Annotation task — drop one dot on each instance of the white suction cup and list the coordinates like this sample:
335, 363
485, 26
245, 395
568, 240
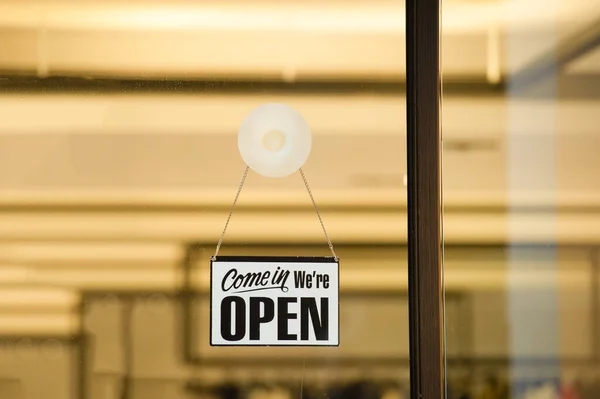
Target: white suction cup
274, 140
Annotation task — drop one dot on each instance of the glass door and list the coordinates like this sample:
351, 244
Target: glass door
521, 198
119, 164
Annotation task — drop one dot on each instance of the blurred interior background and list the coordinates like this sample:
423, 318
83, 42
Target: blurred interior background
119, 162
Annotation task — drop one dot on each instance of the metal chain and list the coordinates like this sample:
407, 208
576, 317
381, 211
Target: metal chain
318, 214
237, 195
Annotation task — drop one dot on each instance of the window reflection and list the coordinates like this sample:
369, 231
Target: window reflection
119, 161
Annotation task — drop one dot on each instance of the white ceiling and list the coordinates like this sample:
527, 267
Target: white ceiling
354, 15
291, 40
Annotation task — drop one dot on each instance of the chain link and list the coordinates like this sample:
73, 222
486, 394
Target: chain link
237, 195
318, 214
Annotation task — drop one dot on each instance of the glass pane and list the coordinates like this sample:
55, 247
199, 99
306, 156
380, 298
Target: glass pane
521, 198
119, 164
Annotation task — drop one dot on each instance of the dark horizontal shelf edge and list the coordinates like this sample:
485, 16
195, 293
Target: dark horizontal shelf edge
10, 82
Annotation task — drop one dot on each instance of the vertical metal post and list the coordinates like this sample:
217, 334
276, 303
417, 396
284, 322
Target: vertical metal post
427, 365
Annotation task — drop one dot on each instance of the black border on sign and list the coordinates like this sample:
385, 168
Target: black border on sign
278, 259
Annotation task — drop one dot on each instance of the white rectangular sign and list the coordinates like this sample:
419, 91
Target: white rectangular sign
285, 301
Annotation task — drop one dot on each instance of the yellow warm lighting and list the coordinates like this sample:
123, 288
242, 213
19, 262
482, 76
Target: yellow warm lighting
365, 17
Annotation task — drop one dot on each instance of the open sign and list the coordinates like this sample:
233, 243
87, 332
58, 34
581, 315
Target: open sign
285, 301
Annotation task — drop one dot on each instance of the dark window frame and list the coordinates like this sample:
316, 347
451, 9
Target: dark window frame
425, 274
